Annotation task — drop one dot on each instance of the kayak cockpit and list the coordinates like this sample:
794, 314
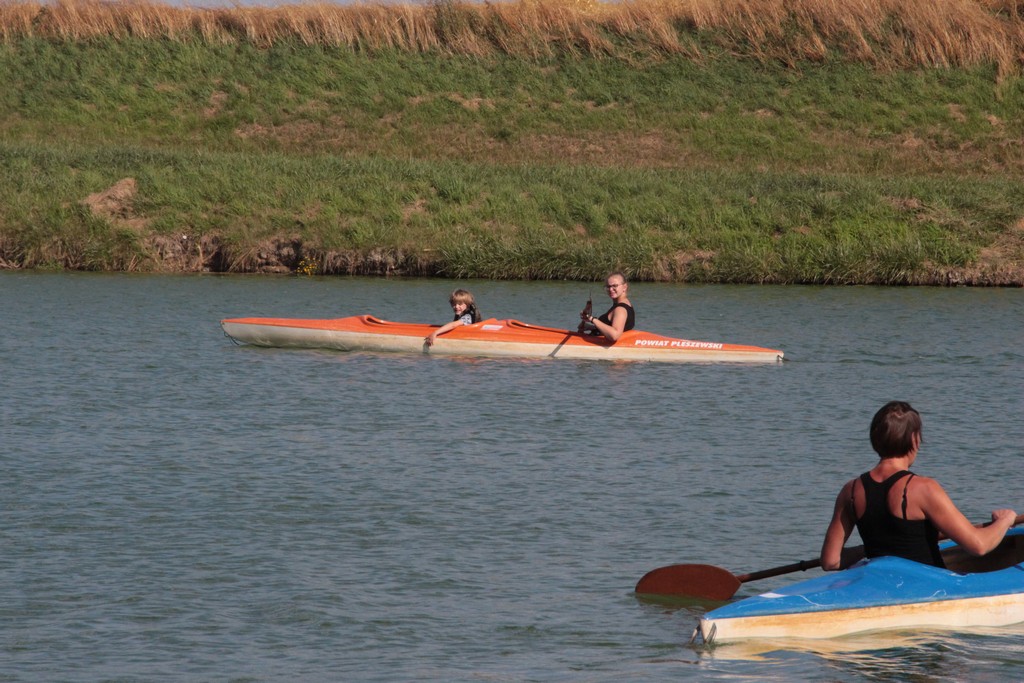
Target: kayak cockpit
1008, 553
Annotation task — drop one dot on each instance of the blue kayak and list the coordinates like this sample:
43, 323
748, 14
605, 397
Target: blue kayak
884, 593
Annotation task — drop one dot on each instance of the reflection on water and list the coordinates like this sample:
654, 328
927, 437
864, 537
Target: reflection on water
920, 655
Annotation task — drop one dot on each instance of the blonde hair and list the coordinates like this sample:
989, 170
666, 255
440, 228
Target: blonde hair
462, 296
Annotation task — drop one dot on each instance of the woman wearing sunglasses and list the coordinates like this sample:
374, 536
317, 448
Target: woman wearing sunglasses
619, 318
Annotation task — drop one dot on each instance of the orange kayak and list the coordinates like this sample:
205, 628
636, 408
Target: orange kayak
494, 338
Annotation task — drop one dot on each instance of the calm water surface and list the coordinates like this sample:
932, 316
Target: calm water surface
176, 507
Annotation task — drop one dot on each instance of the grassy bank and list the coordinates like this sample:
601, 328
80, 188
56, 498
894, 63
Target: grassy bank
703, 142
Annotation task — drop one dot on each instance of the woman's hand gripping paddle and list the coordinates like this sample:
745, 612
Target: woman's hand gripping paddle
587, 310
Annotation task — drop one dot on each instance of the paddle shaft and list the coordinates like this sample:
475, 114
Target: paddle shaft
587, 310
801, 566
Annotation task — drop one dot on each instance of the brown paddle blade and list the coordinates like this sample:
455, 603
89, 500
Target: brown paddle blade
710, 582
694, 580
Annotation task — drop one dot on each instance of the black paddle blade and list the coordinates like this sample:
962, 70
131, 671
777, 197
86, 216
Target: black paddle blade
694, 580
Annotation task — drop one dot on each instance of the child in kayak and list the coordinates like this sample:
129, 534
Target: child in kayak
466, 313
897, 512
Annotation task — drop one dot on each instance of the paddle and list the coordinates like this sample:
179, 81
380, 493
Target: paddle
708, 581
714, 583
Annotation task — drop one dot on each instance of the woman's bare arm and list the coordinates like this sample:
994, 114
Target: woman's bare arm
839, 530
937, 506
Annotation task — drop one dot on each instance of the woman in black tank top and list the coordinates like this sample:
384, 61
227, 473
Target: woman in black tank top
898, 513
619, 318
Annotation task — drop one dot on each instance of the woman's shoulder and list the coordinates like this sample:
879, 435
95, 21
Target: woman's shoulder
921, 485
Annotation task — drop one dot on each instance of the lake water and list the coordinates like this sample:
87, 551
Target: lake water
178, 507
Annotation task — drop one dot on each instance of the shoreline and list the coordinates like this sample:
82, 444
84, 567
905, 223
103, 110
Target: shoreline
286, 256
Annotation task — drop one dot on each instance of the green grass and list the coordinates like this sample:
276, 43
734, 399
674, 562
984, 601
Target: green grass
499, 167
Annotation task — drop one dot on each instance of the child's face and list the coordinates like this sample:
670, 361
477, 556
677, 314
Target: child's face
460, 307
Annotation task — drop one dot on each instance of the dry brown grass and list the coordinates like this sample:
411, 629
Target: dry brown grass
885, 33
